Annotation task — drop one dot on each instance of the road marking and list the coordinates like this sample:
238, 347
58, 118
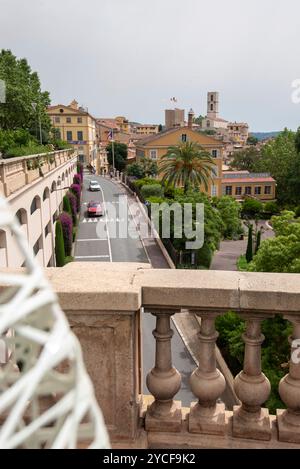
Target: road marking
92, 239
107, 231
91, 220
91, 257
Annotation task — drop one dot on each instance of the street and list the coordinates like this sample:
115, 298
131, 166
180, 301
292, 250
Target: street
95, 243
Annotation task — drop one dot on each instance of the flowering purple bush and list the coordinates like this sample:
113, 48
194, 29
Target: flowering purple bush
76, 189
73, 203
67, 229
77, 179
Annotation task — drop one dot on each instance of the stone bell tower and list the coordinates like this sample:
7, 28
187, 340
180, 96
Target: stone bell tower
212, 104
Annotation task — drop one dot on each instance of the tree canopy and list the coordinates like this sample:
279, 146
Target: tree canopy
25, 100
186, 164
120, 152
282, 253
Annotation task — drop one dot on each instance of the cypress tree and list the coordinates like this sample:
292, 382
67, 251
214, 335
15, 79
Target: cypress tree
249, 252
67, 205
59, 245
258, 240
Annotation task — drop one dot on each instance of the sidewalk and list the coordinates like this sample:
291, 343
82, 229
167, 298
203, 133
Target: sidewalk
229, 252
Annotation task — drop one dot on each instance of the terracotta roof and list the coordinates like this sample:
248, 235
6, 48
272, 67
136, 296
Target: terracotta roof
151, 138
247, 180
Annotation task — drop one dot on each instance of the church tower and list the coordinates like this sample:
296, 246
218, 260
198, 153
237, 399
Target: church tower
212, 104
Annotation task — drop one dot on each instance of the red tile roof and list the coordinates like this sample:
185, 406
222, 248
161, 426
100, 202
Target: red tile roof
247, 180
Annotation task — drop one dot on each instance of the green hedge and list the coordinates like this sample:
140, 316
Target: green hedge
152, 190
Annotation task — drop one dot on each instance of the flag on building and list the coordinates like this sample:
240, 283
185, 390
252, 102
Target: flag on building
110, 135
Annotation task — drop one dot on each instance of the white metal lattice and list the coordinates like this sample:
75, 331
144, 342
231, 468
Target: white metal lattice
46, 396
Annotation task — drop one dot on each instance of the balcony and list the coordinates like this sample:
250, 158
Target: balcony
17, 172
105, 305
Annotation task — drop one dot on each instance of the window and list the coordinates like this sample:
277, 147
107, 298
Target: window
211, 107
21, 216
257, 190
211, 97
53, 186
55, 215
38, 246
47, 229
183, 138
238, 191
79, 120
248, 190
57, 120
268, 190
213, 191
214, 153
80, 135
35, 204
214, 171
69, 135
153, 154
208, 124
228, 190
68, 120
2, 239
46, 194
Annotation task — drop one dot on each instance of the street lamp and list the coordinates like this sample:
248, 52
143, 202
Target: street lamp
35, 107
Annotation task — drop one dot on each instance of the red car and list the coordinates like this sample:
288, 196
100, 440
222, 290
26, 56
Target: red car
94, 209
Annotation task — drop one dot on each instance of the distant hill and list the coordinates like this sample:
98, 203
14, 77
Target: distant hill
263, 135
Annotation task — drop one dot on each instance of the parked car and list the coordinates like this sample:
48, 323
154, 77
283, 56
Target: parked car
94, 186
94, 209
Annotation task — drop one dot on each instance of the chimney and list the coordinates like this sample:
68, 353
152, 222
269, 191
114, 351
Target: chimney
190, 118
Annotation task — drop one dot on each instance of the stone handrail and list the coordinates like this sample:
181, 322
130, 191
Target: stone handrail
103, 303
17, 172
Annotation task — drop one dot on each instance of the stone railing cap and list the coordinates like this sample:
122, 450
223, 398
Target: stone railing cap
95, 286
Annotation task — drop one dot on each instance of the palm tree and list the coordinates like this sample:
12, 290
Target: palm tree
186, 164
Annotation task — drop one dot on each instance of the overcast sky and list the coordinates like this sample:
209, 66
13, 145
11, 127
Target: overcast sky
128, 57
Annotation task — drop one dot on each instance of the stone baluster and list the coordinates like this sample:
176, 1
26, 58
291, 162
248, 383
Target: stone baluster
163, 381
252, 387
207, 382
289, 389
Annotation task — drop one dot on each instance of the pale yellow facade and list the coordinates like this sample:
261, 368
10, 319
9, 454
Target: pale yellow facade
145, 129
77, 127
157, 146
123, 124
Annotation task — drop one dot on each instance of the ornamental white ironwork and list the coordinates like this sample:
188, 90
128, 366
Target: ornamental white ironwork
46, 396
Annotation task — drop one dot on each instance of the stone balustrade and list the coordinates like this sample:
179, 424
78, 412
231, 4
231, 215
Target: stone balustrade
105, 304
16, 172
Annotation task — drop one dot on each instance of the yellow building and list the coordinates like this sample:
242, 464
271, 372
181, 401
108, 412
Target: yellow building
78, 127
123, 124
145, 129
242, 184
154, 147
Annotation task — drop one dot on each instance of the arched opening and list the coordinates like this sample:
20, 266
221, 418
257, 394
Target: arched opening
2, 239
53, 186
35, 204
3, 258
46, 193
21, 215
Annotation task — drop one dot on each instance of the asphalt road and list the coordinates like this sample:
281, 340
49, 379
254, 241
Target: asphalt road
96, 242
